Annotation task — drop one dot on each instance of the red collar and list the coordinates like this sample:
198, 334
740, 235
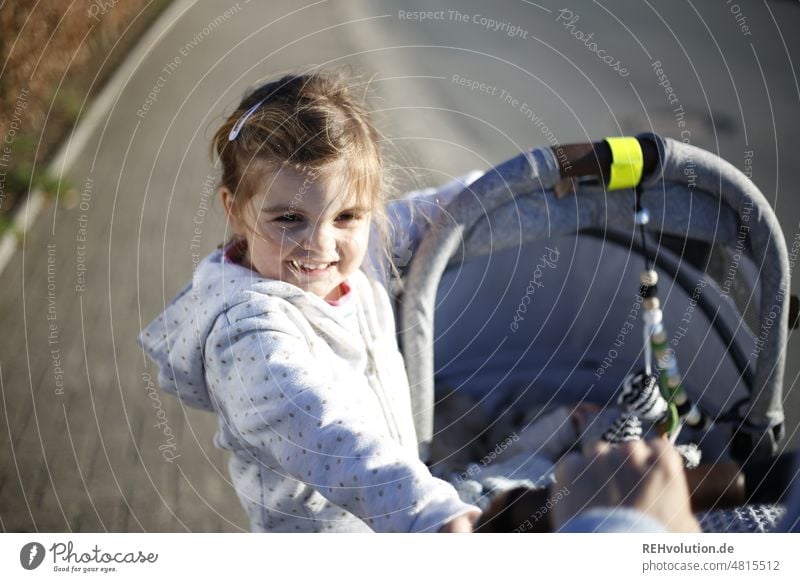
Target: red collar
344, 295
236, 251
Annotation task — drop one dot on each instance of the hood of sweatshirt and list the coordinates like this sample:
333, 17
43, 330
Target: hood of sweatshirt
176, 339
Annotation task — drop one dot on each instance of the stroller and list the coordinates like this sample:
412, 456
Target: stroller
524, 299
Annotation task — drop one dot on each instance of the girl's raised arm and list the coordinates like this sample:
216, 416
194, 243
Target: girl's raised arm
412, 214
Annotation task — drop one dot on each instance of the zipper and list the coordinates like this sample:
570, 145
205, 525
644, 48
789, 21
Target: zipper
388, 413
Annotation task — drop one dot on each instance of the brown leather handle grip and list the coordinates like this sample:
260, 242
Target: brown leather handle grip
594, 159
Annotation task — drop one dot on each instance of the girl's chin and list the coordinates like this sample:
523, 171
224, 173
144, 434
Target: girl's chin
319, 288
322, 284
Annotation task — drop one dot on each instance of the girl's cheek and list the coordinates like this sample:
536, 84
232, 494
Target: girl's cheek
277, 234
364, 240
353, 244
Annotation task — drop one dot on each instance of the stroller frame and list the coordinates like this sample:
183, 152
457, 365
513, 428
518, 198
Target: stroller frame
690, 193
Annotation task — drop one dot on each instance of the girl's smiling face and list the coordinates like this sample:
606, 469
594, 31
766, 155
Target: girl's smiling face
304, 229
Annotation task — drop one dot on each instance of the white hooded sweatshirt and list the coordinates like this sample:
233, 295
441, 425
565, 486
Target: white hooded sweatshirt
312, 399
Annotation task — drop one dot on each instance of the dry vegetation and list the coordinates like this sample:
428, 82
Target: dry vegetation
54, 56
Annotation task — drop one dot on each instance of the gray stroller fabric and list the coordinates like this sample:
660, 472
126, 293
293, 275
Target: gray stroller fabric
693, 195
568, 342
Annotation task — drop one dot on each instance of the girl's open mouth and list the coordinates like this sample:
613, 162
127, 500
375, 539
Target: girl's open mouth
312, 269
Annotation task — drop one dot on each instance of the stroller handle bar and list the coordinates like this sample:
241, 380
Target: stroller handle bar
689, 192
594, 159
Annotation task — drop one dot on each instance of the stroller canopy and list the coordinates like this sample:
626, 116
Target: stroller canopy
510, 215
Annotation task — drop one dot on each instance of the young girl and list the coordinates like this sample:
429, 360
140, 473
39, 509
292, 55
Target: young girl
287, 333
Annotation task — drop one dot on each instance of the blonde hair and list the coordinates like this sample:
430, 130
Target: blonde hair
306, 122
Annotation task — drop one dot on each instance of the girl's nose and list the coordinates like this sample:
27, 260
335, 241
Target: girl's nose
320, 240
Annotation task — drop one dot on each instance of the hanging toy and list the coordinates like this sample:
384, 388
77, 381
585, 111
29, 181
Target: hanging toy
657, 347
626, 428
641, 396
691, 455
658, 397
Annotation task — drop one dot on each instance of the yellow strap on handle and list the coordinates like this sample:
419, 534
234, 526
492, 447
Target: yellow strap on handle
627, 162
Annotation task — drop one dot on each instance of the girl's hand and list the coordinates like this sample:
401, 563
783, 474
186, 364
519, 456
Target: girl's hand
462, 523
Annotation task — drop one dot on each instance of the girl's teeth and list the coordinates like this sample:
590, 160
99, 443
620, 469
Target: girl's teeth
310, 266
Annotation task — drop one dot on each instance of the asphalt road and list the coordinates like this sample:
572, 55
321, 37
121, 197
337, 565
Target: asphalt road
83, 449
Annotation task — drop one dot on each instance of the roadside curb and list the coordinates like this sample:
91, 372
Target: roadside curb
73, 145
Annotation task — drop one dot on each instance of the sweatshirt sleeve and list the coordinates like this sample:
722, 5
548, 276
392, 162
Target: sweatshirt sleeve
325, 432
411, 214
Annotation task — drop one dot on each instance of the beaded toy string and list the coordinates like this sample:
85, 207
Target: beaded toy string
656, 396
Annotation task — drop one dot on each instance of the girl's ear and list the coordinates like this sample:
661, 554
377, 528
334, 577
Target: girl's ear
234, 223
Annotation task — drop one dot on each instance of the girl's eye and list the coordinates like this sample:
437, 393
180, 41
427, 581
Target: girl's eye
288, 218
348, 216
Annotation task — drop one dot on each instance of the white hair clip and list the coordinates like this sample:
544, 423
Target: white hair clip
242, 120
